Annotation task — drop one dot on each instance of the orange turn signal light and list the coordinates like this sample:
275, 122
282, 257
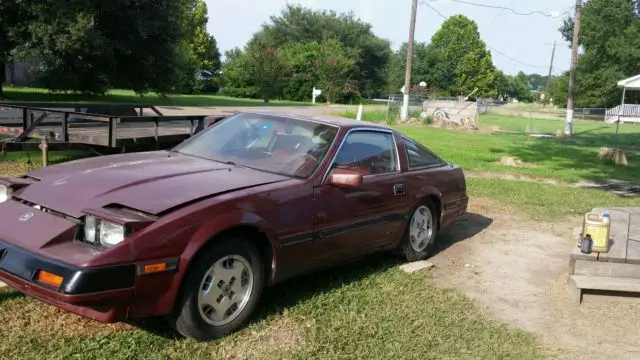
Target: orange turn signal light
152, 268
50, 279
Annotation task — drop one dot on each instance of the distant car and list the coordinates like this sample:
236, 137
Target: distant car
196, 232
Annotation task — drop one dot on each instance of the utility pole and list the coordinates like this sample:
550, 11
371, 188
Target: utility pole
404, 114
568, 129
546, 90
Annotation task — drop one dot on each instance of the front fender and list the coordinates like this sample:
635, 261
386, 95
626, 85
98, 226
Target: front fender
222, 223
164, 300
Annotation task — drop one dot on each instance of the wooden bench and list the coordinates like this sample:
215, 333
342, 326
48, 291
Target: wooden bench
615, 271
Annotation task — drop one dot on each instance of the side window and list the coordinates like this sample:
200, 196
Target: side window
420, 156
368, 152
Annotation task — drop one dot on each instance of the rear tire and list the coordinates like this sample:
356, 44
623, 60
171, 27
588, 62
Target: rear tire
220, 291
420, 235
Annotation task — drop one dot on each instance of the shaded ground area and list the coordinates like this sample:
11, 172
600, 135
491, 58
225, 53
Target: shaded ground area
516, 270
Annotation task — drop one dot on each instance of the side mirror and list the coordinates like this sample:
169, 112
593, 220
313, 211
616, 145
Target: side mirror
344, 178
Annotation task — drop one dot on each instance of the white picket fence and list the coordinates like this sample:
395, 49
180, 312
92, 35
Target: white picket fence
630, 114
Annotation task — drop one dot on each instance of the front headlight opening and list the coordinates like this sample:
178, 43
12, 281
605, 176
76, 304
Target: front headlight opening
5, 193
102, 232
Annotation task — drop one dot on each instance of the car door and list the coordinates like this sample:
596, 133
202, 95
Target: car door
352, 221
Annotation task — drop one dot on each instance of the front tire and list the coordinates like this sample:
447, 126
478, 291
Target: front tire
420, 234
220, 291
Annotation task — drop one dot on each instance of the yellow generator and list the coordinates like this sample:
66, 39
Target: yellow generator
596, 230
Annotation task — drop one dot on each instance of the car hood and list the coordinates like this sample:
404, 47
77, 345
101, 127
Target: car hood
153, 182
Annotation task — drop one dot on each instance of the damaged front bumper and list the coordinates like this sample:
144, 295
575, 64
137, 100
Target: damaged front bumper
101, 294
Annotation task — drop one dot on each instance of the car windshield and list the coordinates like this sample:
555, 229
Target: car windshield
264, 142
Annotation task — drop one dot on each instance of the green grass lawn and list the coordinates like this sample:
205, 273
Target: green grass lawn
544, 201
353, 312
569, 160
16, 163
126, 96
580, 127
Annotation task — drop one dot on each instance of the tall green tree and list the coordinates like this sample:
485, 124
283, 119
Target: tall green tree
200, 48
91, 45
324, 65
333, 68
300, 24
266, 68
466, 56
235, 80
610, 37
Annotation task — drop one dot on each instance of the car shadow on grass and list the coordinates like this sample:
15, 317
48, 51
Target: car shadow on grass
275, 300
7, 294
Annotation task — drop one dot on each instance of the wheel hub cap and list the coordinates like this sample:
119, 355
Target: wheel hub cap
421, 229
225, 290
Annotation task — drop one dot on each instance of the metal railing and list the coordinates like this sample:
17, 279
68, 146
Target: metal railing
63, 118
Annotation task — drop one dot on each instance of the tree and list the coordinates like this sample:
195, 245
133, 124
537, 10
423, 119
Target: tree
12, 17
466, 56
201, 51
324, 65
266, 69
299, 24
333, 68
236, 81
90, 45
611, 53
503, 85
428, 65
521, 89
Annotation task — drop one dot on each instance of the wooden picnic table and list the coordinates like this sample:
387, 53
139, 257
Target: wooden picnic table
617, 270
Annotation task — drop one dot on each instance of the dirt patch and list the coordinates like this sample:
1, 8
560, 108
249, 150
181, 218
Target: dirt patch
516, 177
516, 270
512, 161
281, 337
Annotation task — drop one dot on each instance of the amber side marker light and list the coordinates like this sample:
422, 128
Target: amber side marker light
157, 266
49, 279
152, 268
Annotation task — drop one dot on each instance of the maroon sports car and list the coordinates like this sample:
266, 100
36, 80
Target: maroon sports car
196, 232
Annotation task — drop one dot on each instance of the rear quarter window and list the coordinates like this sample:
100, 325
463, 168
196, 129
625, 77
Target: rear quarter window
419, 156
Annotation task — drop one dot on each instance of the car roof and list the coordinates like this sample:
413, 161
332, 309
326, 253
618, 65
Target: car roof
305, 115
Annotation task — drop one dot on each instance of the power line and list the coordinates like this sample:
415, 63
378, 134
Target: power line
529, 13
490, 47
514, 59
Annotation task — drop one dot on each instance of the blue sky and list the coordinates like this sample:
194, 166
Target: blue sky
525, 40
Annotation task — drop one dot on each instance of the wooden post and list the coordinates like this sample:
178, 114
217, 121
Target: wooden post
568, 130
113, 132
25, 122
404, 113
44, 146
65, 127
